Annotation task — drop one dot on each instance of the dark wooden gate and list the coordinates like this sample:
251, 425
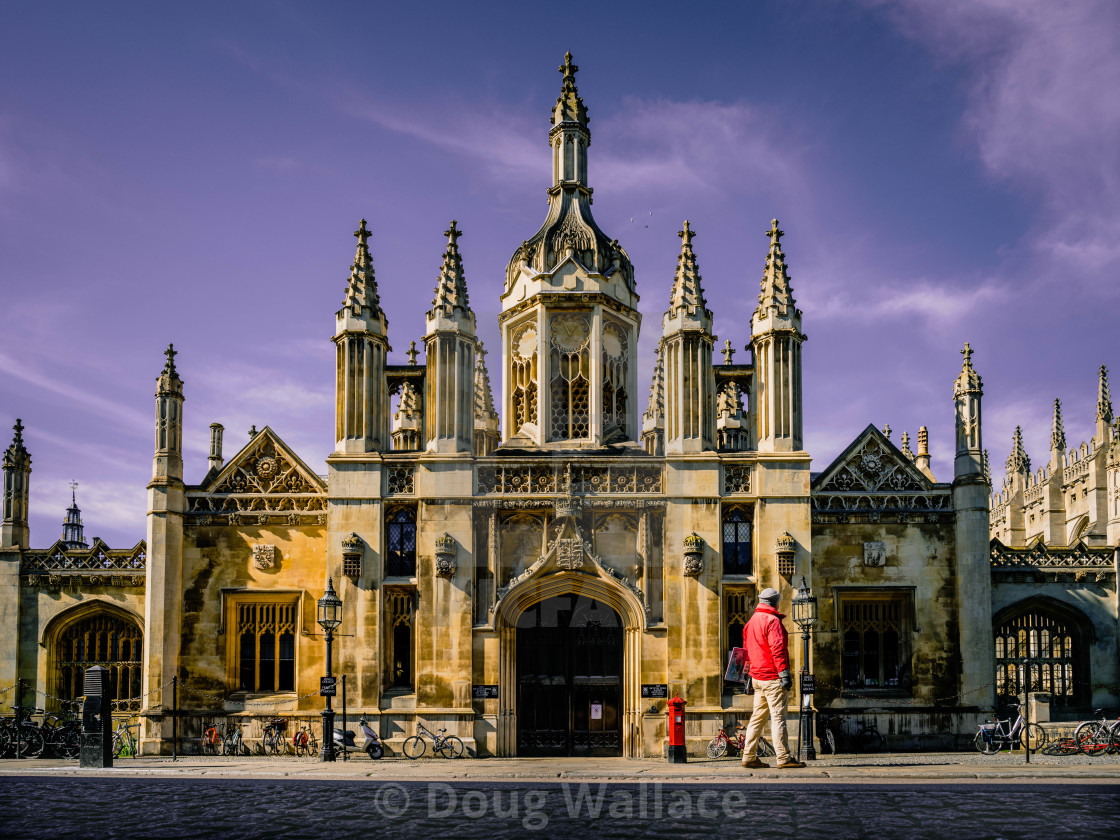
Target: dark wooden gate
569, 667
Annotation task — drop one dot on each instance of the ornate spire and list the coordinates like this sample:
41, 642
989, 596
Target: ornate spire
776, 290
969, 379
687, 294
17, 451
1104, 398
656, 409
906, 446
483, 396
361, 289
169, 366
1057, 429
569, 107
72, 530
987, 467
451, 286
1017, 461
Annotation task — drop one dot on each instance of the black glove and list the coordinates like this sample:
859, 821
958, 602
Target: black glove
786, 679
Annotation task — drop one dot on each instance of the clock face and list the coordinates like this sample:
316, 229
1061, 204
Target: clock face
612, 344
525, 345
569, 332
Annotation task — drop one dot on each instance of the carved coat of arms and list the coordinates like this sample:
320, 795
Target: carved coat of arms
264, 556
569, 553
874, 553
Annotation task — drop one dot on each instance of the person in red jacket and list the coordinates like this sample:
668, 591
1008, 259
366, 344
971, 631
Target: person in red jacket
766, 642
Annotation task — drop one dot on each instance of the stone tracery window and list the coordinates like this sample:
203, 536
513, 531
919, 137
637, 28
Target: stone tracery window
570, 388
615, 369
875, 633
1040, 650
738, 555
266, 645
523, 376
400, 542
103, 639
738, 604
400, 610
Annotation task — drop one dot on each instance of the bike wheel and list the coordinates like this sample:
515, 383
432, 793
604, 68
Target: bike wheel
414, 747
1114, 738
828, 743
451, 747
33, 744
765, 748
717, 748
988, 746
1092, 737
375, 751
1033, 737
69, 745
869, 741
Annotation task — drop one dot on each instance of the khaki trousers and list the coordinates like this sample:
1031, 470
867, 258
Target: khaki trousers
769, 699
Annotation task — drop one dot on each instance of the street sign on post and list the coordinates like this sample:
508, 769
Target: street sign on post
328, 686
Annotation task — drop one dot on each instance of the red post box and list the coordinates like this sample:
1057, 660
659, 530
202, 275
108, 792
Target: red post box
675, 709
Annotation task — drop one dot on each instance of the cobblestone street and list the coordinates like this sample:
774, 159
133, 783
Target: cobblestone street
883, 796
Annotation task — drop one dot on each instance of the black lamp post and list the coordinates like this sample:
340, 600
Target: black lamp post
330, 616
805, 616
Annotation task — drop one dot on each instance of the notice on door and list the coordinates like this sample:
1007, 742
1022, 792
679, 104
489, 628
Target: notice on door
596, 711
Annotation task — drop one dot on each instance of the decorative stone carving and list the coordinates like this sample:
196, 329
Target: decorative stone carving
693, 555
528, 478
445, 556
265, 557
784, 550
401, 479
567, 507
569, 553
352, 549
737, 478
875, 553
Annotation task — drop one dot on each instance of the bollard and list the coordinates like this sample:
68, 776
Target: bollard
97, 720
678, 753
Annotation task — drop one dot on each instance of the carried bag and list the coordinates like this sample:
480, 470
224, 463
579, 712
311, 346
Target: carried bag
738, 669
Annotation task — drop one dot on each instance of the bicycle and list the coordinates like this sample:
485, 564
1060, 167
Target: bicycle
24, 736
63, 733
1097, 737
304, 742
273, 741
211, 739
994, 736
447, 746
719, 746
124, 742
231, 742
835, 738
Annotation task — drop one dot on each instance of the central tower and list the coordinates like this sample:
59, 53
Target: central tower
569, 318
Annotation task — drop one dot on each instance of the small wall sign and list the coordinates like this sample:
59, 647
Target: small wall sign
655, 690
596, 711
484, 692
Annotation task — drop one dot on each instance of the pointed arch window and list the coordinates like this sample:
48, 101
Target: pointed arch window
400, 541
1040, 647
570, 388
104, 639
616, 356
523, 376
738, 555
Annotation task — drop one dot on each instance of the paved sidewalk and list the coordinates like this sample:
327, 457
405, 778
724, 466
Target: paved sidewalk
877, 769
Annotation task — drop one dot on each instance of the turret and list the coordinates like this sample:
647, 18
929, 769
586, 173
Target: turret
73, 535
487, 435
450, 344
215, 461
1104, 409
776, 338
1057, 439
408, 422
15, 533
967, 393
922, 459
168, 460
686, 347
361, 339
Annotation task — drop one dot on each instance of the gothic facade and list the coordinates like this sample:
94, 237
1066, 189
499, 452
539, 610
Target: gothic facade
540, 571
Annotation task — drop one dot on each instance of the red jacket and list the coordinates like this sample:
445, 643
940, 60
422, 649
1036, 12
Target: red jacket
765, 640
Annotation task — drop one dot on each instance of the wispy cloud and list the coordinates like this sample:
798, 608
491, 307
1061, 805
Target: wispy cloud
1043, 114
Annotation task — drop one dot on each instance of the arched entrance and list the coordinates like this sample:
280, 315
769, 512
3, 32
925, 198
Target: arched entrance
569, 678
95, 634
1042, 645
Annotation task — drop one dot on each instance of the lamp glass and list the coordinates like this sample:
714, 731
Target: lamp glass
330, 608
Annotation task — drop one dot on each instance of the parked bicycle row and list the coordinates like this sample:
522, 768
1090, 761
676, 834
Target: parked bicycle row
54, 735
837, 735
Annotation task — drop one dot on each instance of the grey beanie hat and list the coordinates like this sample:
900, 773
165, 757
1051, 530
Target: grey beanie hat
768, 594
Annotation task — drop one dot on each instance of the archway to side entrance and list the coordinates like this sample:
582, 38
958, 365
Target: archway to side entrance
95, 633
569, 678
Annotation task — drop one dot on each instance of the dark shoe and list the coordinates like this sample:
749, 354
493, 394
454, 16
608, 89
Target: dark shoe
791, 765
755, 764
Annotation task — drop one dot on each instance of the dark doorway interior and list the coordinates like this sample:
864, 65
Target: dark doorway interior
569, 667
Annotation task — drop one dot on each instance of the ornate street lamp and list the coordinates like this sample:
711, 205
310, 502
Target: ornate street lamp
330, 616
805, 616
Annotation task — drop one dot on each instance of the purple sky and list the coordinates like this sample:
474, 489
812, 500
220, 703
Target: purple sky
945, 171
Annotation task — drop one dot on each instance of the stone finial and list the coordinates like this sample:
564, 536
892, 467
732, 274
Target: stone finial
1057, 429
451, 286
1104, 398
569, 107
656, 409
728, 352
923, 441
1017, 461
411, 352
887, 431
687, 296
483, 395
169, 366
361, 289
17, 451
253, 431
777, 293
987, 467
906, 446
969, 380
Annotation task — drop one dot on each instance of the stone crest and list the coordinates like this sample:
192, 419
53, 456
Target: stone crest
264, 557
445, 556
875, 553
693, 555
569, 553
